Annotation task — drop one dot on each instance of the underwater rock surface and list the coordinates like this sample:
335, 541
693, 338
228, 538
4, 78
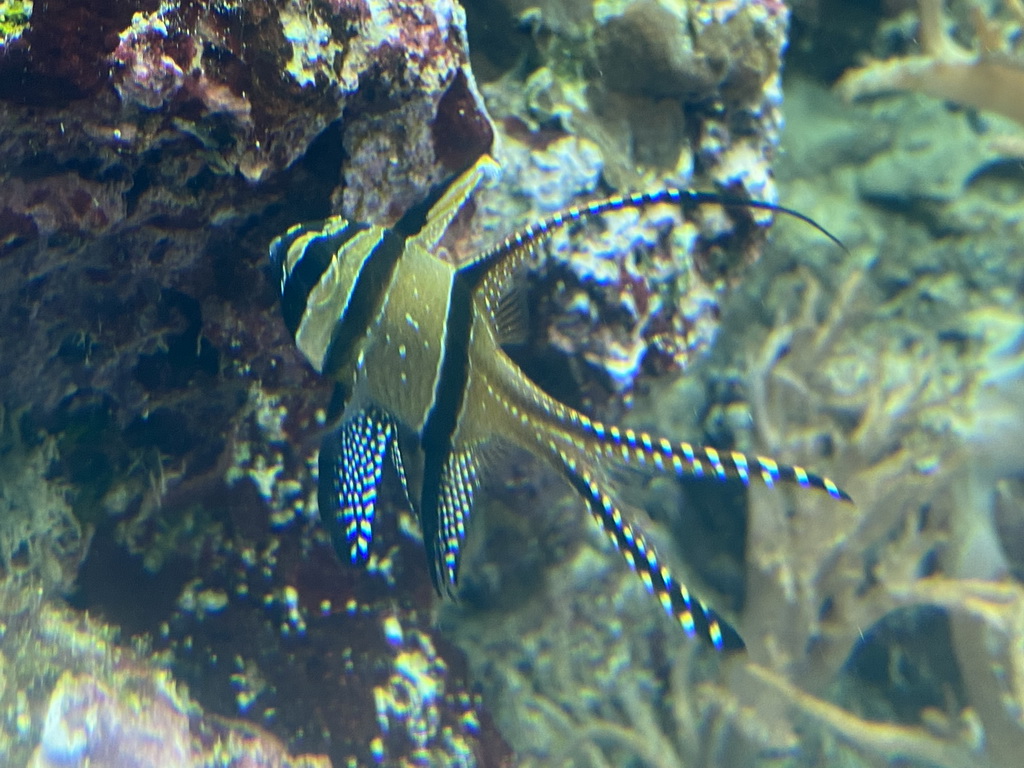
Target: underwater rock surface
72, 696
151, 150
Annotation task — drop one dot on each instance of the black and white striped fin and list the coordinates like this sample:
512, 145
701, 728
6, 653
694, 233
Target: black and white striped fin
659, 454
586, 450
688, 460
351, 468
492, 271
696, 618
458, 486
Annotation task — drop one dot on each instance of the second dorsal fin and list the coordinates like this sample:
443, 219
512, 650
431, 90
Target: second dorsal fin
511, 316
493, 269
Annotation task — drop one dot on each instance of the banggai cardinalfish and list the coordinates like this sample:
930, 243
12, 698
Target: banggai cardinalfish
415, 346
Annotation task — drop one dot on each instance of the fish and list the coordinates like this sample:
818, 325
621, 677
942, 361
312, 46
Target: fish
414, 345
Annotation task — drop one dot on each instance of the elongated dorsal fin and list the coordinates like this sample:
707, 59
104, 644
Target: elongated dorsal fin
492, 271
453, 197
511, 315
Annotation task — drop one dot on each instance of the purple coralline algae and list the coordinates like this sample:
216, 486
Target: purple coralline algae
203, 61
88, 722
140, 720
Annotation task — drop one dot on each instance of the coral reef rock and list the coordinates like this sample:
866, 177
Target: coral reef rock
634, 95
72, 696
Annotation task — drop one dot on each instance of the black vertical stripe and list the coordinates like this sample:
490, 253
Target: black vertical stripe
306, 273
367, 294
328, 493
439, 428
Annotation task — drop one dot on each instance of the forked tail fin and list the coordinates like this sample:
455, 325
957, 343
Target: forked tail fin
582, 445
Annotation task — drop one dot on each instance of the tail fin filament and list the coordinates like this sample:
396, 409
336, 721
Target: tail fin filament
683, 459
696, 618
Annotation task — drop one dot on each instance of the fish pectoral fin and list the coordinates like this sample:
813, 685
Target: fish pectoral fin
351, 469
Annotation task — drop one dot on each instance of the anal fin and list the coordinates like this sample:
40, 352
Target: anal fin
459, 483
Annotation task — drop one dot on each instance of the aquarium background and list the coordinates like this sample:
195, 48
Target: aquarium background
167, 593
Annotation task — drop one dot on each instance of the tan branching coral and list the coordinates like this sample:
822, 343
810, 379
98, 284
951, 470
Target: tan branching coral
979, 735
906, 429
990, 78
959, 749
804, 554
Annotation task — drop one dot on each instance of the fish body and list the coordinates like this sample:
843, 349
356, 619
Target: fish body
415, 345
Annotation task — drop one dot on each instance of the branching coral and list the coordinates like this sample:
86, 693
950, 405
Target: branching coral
905, 431
891, 741
990, 78
968, 739
811, 556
